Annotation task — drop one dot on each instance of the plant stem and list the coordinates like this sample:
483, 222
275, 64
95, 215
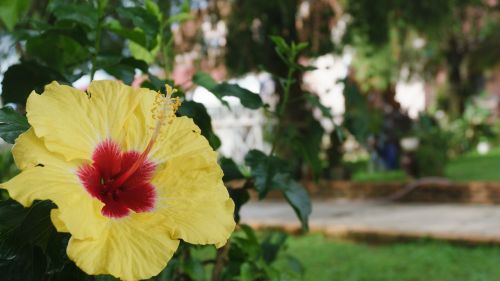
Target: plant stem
282, 109
166, 50
286, 94
97, 43
220, 261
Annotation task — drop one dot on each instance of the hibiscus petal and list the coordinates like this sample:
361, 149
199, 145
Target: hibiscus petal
131, 248
57, 222
79, 212
181, 138
194, 199
72, 122
61, 117
30, 151
112, 103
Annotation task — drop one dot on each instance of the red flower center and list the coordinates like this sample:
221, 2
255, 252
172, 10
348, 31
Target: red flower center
120, 180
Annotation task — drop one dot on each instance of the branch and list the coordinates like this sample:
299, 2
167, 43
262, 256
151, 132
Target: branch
220, 261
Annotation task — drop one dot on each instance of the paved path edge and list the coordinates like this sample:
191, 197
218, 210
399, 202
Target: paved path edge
376, 235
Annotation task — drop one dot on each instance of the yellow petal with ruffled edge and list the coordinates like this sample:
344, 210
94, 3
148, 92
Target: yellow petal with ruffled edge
131, 248
192, 195
30, 151
61, 117
73, 122
57, 222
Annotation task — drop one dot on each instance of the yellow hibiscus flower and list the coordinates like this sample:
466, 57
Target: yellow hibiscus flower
128, 177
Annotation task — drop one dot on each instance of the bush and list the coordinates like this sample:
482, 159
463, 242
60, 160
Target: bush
432, 154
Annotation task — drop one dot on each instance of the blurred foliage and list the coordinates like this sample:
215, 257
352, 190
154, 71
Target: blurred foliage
375, 23
249, 26
432, 153
402, 39
12, 11
221, 90
473, 126
361, 119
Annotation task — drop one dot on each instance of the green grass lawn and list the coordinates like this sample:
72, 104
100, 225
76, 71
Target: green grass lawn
475, 167
468, 167
385, 176
331, 260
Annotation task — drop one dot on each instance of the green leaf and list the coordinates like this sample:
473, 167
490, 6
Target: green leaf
194, 268
199, 114
12, 124
22, 247
231, 170
153, 9
314, 101
304, 68
297, 197
280, 43
58, 51
56, 252
107, 60
122, 72
247, 98
263, 169
156, 84
73, 273
21, 79
11, 215
168, 272
247, 272
141, 53
82, 13
135, 35
135, 63
271, 245
245, 246
271, 173
34, 228
125, 69
249, 233
179, 18
28, 265
309, 145
300, 46
205, 80
239, 196
295, 265
144, 20
283, 51
340, 133
12, 10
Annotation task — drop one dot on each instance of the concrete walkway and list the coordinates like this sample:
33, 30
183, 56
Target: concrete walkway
459, 222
